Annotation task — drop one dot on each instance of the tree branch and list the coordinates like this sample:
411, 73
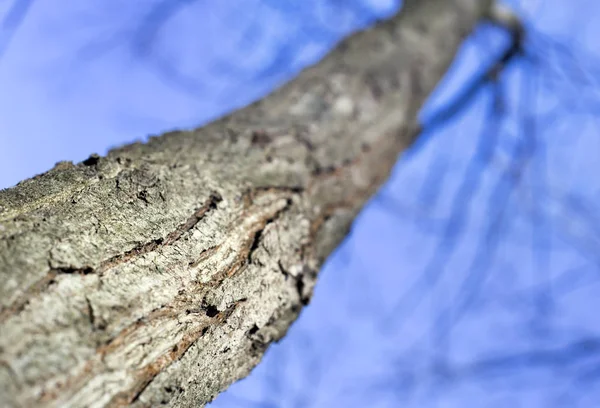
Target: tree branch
160, 273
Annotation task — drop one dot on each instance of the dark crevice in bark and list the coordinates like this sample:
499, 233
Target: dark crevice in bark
298, 282
90, 311
256, 239
92, 160
148, 373
72, 270
205, 254
261, 138
151, 371
283, 271
300, 289
255, 243
20, 303
252, 330
150, 246
267, 189
210, 310
211, 204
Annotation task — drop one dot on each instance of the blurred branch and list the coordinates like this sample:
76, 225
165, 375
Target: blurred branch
544, 61
501, 16
12, 21
464, 197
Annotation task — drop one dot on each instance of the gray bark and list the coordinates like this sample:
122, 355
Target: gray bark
160, 273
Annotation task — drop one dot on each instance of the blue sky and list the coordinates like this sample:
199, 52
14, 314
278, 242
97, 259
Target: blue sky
467, 281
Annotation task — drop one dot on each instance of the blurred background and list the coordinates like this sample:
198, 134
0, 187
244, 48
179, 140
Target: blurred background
469, 280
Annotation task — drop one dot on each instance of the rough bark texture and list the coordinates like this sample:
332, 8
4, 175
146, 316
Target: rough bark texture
160, 273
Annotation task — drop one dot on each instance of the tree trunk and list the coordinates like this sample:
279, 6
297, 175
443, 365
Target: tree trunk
160, 273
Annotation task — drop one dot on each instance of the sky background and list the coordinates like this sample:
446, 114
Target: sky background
470, 279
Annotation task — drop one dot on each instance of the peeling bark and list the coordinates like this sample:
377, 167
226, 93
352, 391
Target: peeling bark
159, 274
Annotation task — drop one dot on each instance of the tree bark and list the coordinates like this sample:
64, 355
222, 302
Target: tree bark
160, 273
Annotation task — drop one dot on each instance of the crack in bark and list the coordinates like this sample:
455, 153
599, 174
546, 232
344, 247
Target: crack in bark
22, 301
149, 372
255, 243
42, 285
256, 239
299, 284
90, 311
178, 306
72, 270
211, 204
146, 374
248, 199
204, 255
171, 238
244, 254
